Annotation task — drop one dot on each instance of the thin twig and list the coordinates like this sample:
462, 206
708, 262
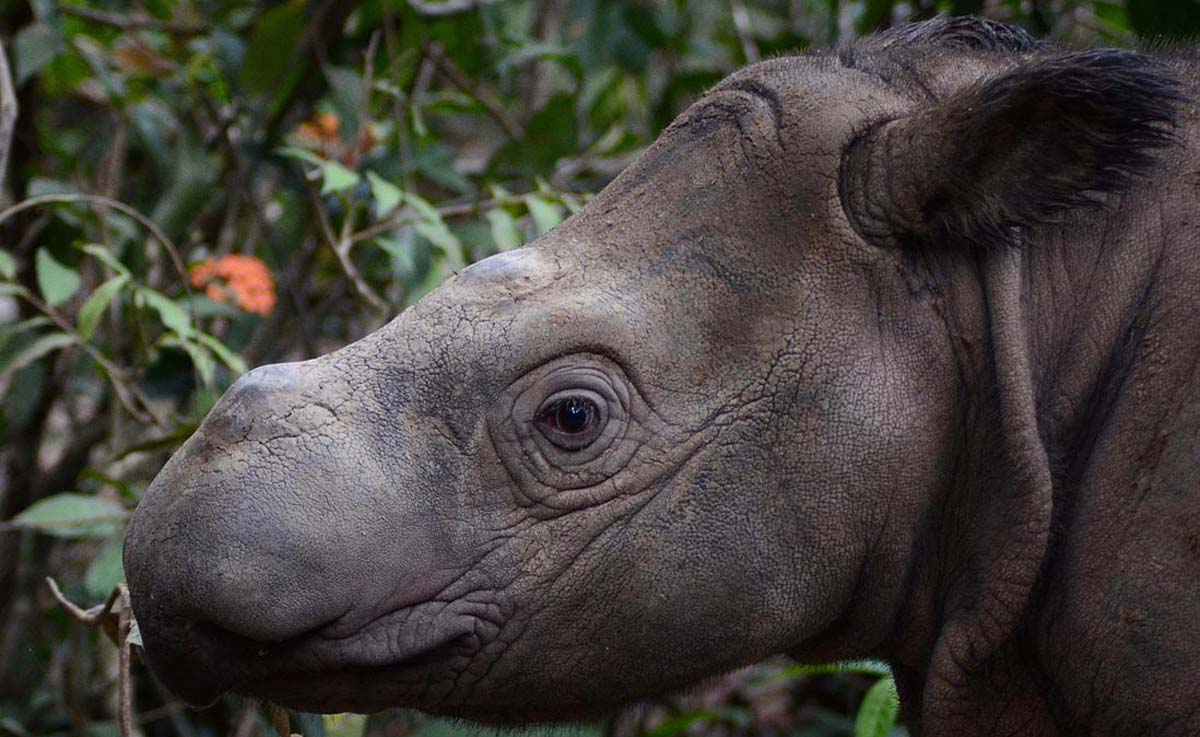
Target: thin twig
368, 75
450, 71
243, 725
8, 116
280, 720
741, 21
124, 678
147, 223
91, 617
116, 375
341, 248
450, 7
456, 210
117, 605
133, 21
400, 100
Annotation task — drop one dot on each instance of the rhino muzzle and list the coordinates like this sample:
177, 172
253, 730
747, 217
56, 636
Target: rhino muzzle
246, 576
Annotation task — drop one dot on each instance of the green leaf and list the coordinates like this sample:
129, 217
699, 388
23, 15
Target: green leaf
105, 570
440, 236
13, 330
337, 178
202, 360
42, 346
102, 254
272, 45
93, 308
551, 134
135, 634
1167, 18
399, 245
343, 725
683, 723
423, 208
35, 46
505, 232
188, 188
349, 99
172, 315
202, 307
879, 710
867, 667
13, 290
236, 363
206, 368
874, 14
387, 196
545, 214
300, 154
73, 515
8, 266
56, 281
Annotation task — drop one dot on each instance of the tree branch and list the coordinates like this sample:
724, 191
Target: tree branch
8, 116
341, 246
741, 21
450, 71
450, 7
133, 21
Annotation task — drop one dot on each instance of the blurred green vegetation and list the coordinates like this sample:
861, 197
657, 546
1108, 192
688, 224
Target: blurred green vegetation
201, 186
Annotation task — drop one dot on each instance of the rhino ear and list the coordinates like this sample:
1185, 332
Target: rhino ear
1016, 150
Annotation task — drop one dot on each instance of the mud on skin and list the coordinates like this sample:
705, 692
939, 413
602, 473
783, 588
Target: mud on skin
887, 350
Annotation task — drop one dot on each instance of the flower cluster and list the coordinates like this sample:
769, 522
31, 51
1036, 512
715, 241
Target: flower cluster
245, 279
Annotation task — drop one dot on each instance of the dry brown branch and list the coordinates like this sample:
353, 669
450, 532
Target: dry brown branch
280, 720
133, 21
90, 617
115, 618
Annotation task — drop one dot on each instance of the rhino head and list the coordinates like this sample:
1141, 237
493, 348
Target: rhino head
764, 394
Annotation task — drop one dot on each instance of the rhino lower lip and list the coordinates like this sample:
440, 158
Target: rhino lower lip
317, 690
305, 662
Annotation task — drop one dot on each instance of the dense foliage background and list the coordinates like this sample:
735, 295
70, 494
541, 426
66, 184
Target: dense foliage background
201, 186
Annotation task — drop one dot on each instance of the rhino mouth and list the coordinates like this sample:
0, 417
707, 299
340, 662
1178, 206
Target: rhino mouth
318, 670
359, 688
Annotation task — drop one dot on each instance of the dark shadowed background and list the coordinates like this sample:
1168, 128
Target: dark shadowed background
194, 188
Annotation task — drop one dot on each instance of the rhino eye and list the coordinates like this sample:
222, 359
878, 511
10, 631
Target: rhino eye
571, 421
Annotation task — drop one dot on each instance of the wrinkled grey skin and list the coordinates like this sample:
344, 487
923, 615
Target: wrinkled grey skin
896, 350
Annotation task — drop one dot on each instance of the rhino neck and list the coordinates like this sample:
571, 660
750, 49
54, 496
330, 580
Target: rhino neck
1051, 338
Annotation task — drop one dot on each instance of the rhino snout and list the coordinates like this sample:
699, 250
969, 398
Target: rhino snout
235, 551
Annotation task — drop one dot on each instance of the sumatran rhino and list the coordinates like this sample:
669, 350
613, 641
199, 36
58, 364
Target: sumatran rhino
889, 351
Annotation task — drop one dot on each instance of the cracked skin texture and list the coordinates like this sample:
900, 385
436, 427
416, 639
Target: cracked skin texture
892, 352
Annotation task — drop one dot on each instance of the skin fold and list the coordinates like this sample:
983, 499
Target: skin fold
887, 351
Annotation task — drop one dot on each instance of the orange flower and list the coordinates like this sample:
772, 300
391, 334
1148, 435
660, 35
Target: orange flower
321, 132
323, 135
246, 278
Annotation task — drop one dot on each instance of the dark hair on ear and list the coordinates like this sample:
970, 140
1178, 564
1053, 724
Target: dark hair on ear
1014, 151
962, 32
